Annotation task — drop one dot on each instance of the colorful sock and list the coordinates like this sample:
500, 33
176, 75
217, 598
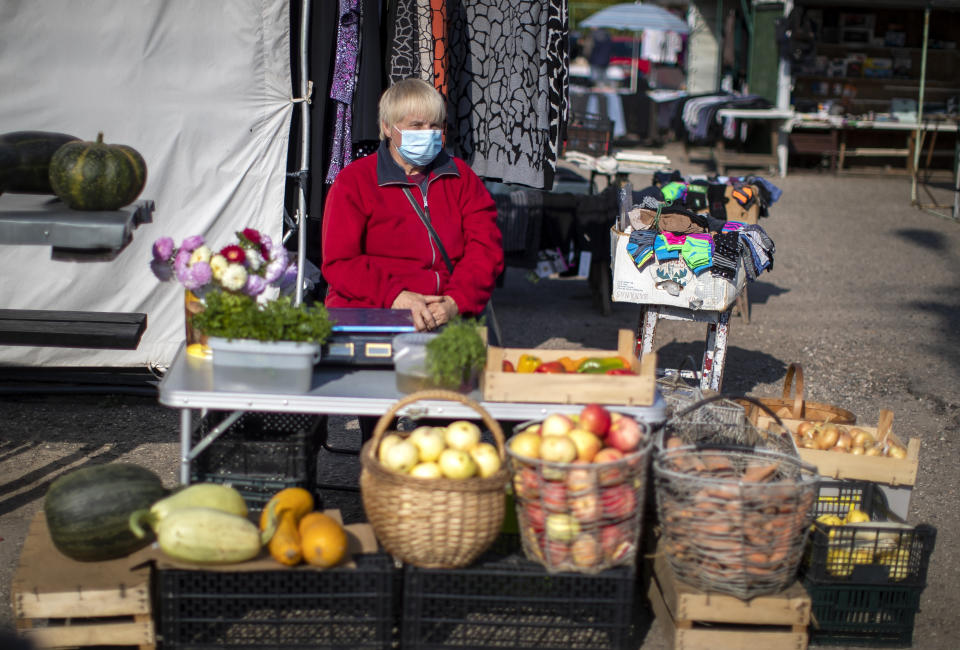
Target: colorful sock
663, 250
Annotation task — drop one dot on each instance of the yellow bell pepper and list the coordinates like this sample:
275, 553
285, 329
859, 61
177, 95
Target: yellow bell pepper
528, 363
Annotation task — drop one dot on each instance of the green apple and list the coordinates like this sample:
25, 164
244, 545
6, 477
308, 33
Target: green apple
562, 527
462, 435
487, 459
429, 442
386, 443
457, 463
426, 470
525, 444
558, 449
401, 457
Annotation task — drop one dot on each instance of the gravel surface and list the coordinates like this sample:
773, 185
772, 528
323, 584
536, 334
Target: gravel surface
863, 293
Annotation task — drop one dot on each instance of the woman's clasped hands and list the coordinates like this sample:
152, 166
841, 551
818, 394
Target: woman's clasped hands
429, 312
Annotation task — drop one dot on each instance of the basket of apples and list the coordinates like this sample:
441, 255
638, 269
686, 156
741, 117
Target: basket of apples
579, 483
436, 496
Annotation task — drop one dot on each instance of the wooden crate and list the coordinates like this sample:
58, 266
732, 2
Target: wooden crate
570, 388
696, 620
59, 602
879, 469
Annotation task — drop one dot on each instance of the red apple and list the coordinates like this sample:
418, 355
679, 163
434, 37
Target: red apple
553, 494
587, 444
581, 480
625, 434
526, 483
615, 542
533, 515
618, 501
556, 424
586, 508
595, 419
586, 550
557, 552
613, 474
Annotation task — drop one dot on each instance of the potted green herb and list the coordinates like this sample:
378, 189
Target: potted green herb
451, 359
269, 347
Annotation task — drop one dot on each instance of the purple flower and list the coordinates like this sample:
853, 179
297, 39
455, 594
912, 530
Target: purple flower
161, 269
289, 279
181, 262
255, 285
274, 271
192, 243
196, 275
162, 249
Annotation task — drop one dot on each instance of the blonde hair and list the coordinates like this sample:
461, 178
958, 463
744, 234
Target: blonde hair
410, 97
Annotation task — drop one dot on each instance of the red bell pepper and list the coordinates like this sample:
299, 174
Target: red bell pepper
621, 371
551, 367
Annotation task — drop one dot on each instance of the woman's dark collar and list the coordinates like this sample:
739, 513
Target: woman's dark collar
390, 173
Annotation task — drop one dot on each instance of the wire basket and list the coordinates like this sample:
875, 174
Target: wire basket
718, 421
582, 517
734, 520
438, 523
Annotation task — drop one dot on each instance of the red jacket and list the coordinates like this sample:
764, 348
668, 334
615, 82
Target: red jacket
375, 246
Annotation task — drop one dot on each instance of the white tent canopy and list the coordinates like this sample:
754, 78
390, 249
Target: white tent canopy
201, 89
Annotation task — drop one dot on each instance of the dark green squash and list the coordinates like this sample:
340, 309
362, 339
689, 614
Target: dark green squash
88, 510
97, 176
25, 160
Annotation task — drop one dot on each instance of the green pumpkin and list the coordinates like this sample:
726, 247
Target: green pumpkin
88, 510
97, 176
25, 160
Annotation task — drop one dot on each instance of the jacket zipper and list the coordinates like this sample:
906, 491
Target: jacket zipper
433, 251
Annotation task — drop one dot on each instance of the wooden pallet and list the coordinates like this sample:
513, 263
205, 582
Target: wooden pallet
59, 602
696, 620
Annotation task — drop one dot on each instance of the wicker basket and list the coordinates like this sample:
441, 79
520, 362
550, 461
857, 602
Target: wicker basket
598, 507
433, 523
734, 520
717, 420
796, 407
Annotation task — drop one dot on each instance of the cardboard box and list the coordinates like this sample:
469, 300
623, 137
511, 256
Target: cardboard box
669, 283
571, 388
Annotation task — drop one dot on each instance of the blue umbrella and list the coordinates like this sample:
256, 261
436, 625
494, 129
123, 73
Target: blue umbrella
636, 17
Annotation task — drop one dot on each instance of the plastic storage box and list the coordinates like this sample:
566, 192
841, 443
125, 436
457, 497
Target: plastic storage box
506, 601
871, 615
343, 608
879, 552
259, 366
259, 454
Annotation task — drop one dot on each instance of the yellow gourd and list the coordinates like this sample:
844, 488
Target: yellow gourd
323, 540
291, 505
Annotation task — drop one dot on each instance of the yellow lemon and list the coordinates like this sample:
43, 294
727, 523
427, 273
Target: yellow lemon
855, 516
199, 351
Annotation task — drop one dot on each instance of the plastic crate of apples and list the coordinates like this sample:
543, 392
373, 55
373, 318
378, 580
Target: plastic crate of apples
579, 483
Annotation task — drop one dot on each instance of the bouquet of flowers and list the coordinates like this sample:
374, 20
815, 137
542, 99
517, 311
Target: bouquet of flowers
246, 267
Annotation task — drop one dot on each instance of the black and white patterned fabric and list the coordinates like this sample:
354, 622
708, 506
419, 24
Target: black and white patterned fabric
508, 87
403, 44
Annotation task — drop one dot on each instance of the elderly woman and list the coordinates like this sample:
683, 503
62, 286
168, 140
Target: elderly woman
411, 227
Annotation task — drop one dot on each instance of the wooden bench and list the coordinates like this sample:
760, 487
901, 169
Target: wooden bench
72, 329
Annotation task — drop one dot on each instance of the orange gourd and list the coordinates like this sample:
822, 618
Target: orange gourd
323, 540
290, 504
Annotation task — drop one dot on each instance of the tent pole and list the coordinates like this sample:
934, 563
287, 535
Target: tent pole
634, 60
923, 80
305, 90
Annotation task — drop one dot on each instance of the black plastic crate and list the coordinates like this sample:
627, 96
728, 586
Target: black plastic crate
880, 552
342, 608
511, 602
264, 446
867, 615
256, 492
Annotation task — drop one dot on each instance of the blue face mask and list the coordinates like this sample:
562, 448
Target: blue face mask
420, 147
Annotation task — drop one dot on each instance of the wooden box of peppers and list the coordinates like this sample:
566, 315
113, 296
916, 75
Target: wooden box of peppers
570, 376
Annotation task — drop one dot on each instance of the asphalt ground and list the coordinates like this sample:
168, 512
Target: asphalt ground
863, 294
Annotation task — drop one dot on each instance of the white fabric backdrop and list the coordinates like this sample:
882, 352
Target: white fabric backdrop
201, 89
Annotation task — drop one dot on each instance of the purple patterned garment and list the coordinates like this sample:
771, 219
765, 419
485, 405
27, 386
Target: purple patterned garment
343, 84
